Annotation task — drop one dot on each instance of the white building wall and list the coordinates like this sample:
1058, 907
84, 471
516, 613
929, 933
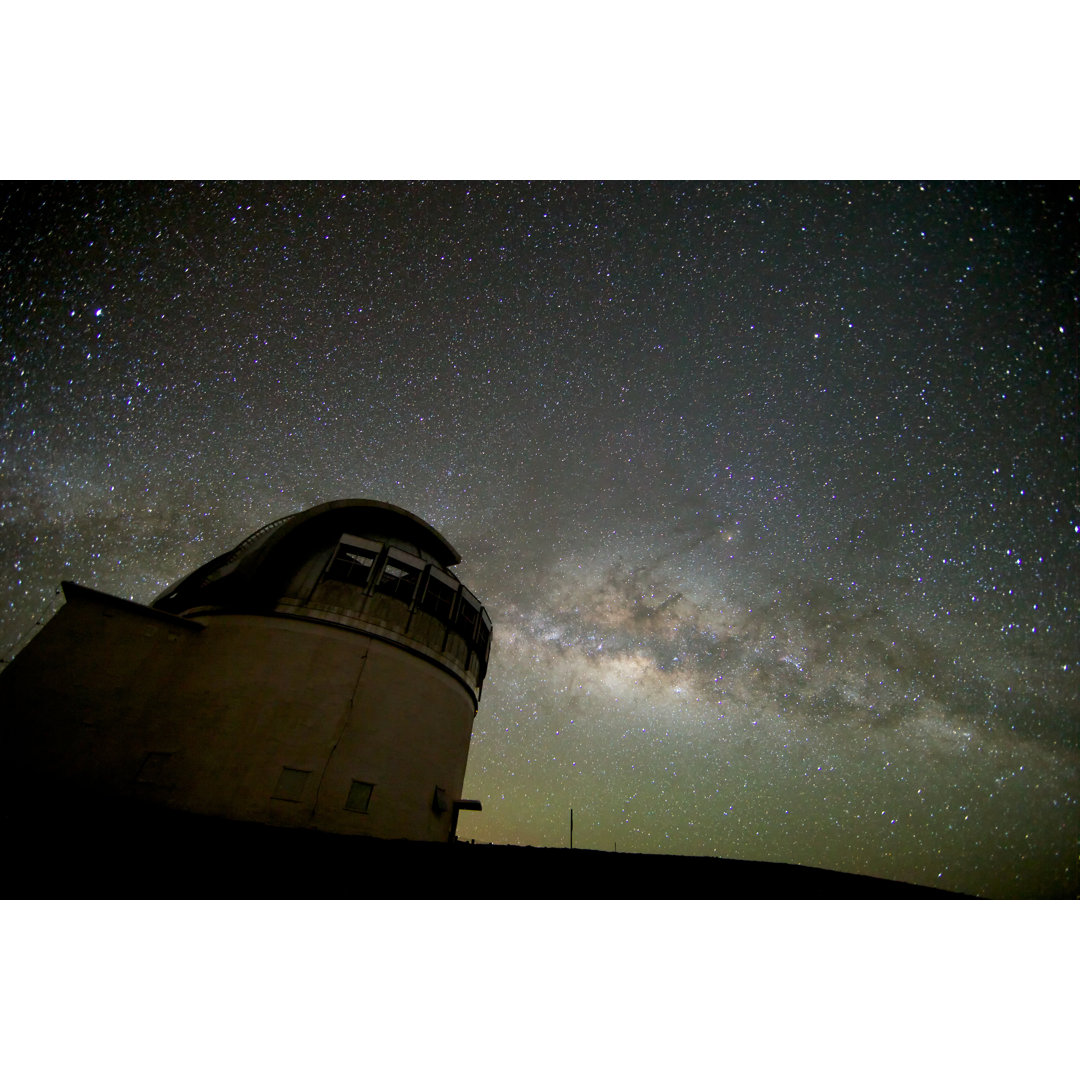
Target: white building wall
118, 699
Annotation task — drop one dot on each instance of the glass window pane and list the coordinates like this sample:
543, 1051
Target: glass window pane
398, 580
291, 784
351, 564
359, 796
153, 768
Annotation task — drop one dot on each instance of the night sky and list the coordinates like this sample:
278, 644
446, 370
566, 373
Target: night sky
770, 490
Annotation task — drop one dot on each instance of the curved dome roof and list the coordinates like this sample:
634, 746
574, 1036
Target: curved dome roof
252, 575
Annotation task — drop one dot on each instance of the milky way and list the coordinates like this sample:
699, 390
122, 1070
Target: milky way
770, 490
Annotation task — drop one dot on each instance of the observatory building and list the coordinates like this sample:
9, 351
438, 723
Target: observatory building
291, 718
324, 674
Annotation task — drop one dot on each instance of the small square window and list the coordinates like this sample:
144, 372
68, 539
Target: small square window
290, 785
153, 767
359, 796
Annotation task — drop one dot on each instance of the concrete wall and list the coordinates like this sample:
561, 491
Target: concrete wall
203, 715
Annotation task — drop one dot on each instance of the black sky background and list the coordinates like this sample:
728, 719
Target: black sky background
770, 489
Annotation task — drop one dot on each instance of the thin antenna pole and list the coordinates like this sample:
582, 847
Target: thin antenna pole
571, 828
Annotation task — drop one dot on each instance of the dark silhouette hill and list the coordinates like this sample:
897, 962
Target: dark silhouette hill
124, 848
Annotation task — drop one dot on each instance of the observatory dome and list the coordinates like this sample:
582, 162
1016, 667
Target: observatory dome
355, 563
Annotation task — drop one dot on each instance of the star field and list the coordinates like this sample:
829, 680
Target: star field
770, 490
